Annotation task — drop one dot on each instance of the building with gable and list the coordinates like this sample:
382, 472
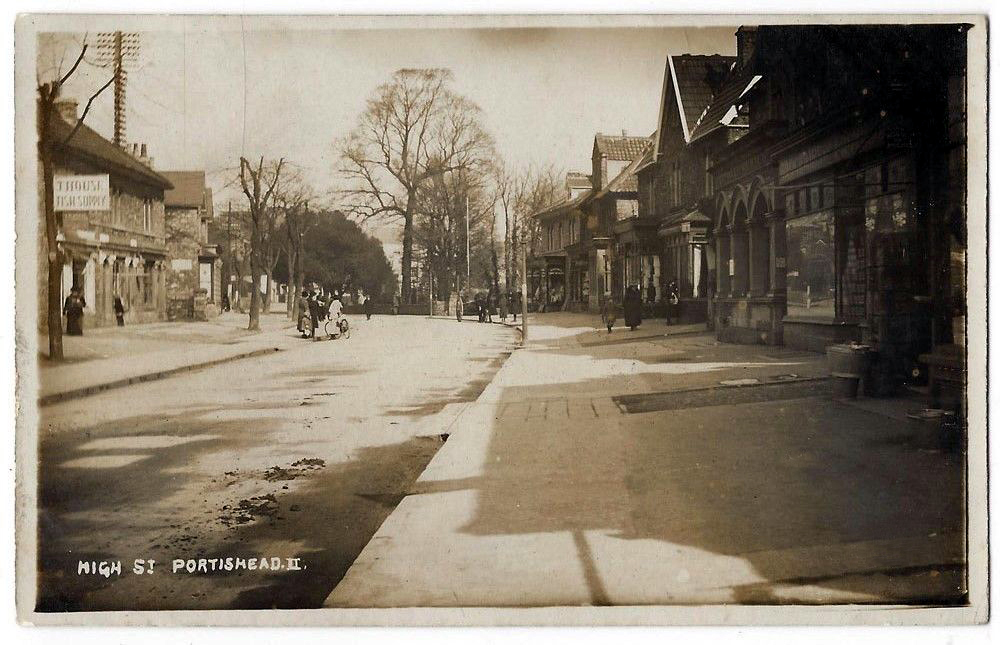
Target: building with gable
193, 279
120, 251
674, 184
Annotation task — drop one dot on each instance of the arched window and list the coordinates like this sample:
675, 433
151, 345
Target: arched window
760, 249
740, 245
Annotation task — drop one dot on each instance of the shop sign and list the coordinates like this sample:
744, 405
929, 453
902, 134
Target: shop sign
82, 192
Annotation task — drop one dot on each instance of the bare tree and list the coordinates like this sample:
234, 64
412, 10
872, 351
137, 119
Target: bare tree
49, 93
293, 199
440, 225
258, 185
413, 128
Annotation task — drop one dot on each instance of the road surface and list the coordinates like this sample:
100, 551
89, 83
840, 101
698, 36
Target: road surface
289, 461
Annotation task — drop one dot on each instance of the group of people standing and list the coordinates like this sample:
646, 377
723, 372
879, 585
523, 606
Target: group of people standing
632, 306
73, 308
485, 306
314, 308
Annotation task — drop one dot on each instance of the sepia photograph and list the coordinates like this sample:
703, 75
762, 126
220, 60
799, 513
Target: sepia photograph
499, 319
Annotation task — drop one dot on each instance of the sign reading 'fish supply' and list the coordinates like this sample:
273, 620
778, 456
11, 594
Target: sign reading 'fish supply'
82, 192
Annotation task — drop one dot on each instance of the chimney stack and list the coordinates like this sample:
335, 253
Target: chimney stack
143, 155
624, 133
67, 109
135, 149
746, 39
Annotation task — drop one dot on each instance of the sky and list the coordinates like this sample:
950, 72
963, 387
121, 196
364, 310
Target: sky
205, 90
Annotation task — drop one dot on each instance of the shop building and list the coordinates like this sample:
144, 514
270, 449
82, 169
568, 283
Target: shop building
559, 275
674, 185
619, 252
840, 212
120, 251
193, 279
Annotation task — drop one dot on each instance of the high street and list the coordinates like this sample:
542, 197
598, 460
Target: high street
301, 453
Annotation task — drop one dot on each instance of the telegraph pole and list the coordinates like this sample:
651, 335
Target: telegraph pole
119, 51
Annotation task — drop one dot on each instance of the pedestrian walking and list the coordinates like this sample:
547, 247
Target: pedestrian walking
119, 311
73, 310
304, 317
366, 306
313, 306
480, 307
515, 304
503, 307
459, 306
673, 302
609, 313
225, 301
633, 307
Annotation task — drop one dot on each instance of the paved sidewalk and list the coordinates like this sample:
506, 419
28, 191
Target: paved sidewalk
110, 357
549, 493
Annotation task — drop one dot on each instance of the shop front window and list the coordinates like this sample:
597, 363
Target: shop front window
810, 265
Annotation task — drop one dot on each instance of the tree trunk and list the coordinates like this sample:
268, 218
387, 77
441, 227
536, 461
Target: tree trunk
54, 309
506, 252
300, 271
407, 259
255, 279
267, 290
291, 298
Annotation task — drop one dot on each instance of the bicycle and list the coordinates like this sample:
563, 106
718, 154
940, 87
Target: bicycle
337, 328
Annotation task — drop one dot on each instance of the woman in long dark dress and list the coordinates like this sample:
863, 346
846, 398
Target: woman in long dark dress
73, 310
119, 311
633, 307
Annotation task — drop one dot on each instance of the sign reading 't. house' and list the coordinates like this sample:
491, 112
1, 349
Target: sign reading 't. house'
82, 192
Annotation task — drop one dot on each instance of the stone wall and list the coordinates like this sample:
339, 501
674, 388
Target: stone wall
183, 226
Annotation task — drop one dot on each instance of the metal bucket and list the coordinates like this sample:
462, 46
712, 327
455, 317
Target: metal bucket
848, 364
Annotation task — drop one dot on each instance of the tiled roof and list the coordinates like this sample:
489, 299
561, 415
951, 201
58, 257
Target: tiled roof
727, 98
696, 79
626, 181
564, 205
95, 148
621, 148
189, 188
578, 180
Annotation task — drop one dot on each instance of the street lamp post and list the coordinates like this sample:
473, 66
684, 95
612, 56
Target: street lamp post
524, 288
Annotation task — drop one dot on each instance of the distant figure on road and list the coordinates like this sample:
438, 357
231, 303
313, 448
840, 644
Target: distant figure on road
673, 302
335, 310
609, 312
515, 303
633, 307
459, 306
73, 310
481, 306
120, 311
225, 301
314, 307
366, 306
304, 316
503, 307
